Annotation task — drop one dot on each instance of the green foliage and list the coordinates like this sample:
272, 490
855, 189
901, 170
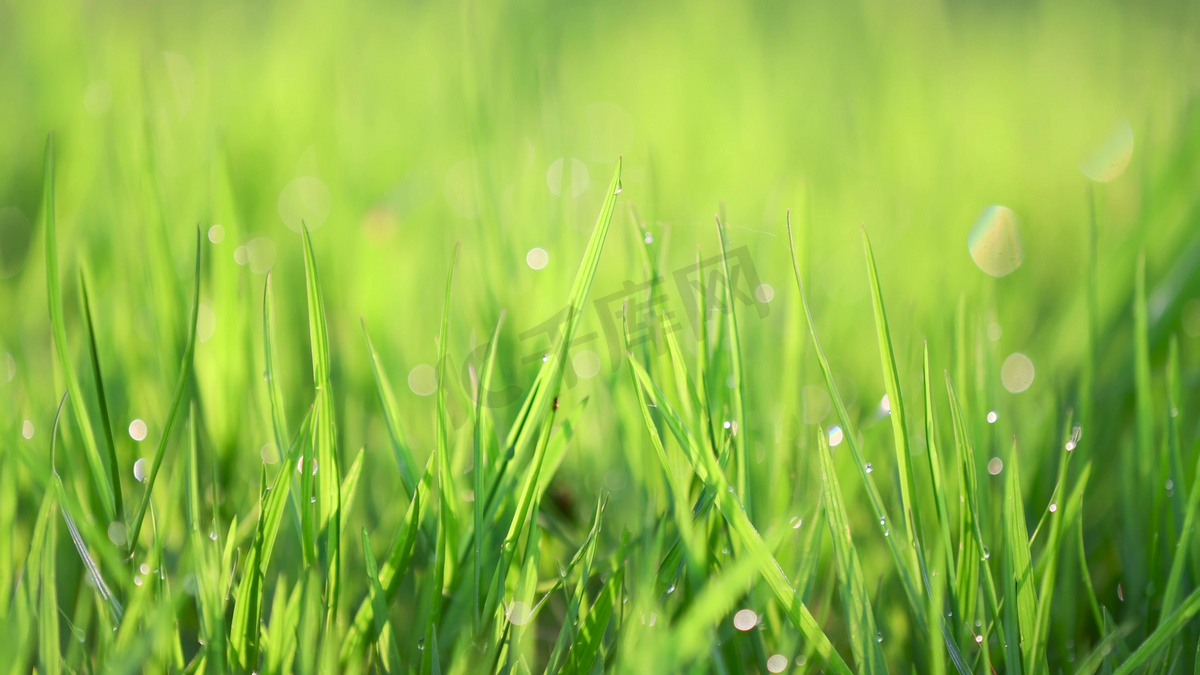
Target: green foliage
583, 434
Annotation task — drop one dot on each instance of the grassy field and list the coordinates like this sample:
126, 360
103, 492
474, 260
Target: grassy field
576, 337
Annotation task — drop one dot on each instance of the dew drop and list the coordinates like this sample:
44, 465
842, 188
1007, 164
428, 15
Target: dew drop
978, 639
992, 417
212, 535
1053, 507
986, 553
649, 238
835, 436
868, 468
139, 470
421, 644
797, 522
879, 637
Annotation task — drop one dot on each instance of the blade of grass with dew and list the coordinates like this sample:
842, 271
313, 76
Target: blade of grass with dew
391, 416
590, 638
185, 370
324, 431
896, 407
1186, 542
973, 553
1160, 640
565, 641
101, 478
916, 605
114, 473
549, 378
860, 618
1018, 563
1060, 519
208, 598
385, 639
710, 473
935, 469
741, 460
523, 514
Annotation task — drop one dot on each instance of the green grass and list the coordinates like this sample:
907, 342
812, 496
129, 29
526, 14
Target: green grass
248, 429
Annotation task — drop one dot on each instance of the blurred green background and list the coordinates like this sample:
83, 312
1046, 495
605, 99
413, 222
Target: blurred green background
396, 129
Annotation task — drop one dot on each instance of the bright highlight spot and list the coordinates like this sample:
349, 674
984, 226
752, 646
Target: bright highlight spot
764, 292
27, 429
519, 613
994, 242
306, 199
777, 663
1017, 373
137, 430
995, 466
578, 177
992, 417
537, 258
216, 234
422, 380
586, 364
139, 469
835, 436
745, 619
116, 533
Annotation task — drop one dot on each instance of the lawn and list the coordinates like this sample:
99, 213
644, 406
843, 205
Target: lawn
575, 337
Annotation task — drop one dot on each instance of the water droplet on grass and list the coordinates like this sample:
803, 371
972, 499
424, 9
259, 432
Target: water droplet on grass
868, 468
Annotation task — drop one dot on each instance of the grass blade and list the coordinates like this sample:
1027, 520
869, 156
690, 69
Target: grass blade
706, 468
101, 478
329, 493
479, 464
185, 370
114, 473
385, 639
916, 604
891, 381
860, 619
391, 416
1160, 639
1018, 567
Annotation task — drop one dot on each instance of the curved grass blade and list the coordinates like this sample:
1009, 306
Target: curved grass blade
329, 493
391, 416
860, 619
1160, 639
114, 473
207, 575
549, 378
101, 478
479, 465
1019, 583
185, 370
385, 639
709, 471
916, 604
891, 381
741, 461
935, 469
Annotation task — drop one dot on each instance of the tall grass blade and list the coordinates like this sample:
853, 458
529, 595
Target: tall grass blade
185, 370
1018, 567
385, 640
110, 447
860, 618
329, 494
101, 478
916, 604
